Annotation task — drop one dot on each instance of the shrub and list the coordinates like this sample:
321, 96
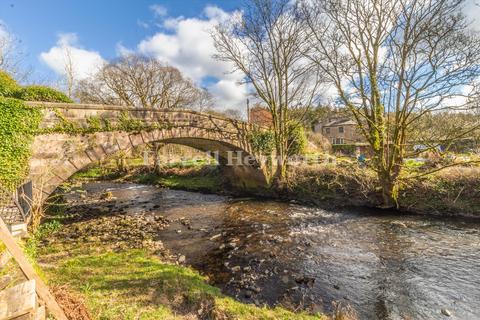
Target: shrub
262, 142
347, 149
297, 140
8, 86
42, 93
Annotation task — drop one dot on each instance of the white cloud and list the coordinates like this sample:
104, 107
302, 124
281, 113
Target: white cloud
143, 24
472, 11
84, 62
122, 50
229, 94
159, 10
186, 43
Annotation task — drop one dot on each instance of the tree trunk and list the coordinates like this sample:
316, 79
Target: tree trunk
280, 175
121, 163
156, 157
389, 183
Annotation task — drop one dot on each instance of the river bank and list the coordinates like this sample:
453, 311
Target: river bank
284, 255
452, 192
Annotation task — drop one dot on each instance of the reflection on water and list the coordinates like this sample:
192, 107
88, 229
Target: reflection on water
385, 266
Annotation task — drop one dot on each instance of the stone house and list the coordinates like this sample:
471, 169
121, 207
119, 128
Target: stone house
340, 131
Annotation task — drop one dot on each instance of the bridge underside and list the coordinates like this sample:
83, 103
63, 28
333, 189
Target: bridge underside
58, 156
245, 176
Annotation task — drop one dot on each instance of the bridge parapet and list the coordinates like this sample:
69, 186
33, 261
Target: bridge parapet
83, 114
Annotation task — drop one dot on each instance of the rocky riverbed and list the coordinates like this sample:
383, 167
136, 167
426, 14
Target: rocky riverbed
266, 252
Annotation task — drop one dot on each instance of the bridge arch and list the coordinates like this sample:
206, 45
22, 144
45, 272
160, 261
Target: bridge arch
56, 156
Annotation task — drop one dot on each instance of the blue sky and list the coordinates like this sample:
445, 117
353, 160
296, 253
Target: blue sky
176, 32
98, 30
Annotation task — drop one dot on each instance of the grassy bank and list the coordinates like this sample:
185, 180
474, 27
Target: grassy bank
191, 176
450, 192
134, 284
206, 179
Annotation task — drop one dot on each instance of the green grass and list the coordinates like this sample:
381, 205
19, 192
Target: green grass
191, 163
134, 284
210, 183
413, 164
99, 172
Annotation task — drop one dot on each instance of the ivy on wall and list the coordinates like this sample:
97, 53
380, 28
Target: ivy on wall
18, 125
96, 124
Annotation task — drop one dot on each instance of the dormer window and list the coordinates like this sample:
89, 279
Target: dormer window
340, 129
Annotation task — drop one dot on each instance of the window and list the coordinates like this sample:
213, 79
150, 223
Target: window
334, 141
340, 129
327, 130
338, 141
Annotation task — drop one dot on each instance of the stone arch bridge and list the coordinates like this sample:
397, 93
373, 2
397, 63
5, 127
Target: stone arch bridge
56, 154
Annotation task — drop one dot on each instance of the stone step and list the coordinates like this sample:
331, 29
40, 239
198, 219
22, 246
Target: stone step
17, 301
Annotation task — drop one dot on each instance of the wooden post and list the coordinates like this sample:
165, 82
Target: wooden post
41, 288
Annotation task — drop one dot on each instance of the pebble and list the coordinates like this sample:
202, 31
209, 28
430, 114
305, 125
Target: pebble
398, 224
215, 237
182, 259
446, 312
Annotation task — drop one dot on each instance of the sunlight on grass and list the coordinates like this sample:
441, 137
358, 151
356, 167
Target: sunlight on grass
136, 285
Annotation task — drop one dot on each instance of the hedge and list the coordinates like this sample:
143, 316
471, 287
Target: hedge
8, 86
42, 93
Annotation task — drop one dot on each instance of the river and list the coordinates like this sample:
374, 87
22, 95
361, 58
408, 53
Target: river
385, 266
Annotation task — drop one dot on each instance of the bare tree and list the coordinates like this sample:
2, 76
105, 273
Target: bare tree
141, 82
393, 63
70, 74
11, 55
268, 43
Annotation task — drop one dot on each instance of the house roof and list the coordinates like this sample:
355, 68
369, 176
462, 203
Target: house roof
340, 122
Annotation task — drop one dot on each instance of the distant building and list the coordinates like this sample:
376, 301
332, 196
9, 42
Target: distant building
340, 131
260, 116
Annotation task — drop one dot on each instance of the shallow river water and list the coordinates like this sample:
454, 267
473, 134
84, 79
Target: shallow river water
267, 252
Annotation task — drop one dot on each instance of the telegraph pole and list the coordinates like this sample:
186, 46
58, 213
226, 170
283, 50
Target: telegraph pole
248, 110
